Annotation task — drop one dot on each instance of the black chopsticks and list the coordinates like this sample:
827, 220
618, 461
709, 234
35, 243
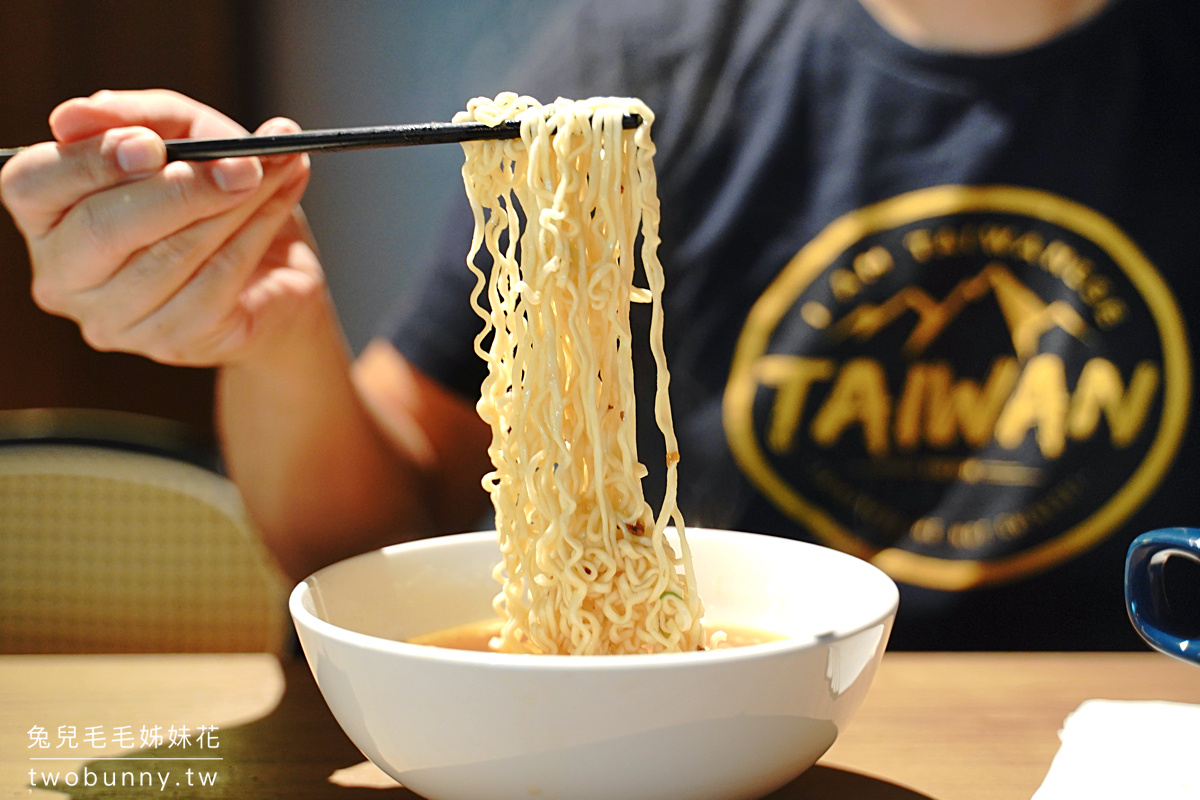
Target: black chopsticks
335, 139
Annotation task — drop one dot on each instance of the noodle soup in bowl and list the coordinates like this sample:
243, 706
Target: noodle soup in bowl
736, 722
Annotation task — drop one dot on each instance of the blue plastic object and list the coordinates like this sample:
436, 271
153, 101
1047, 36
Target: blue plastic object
1145, 593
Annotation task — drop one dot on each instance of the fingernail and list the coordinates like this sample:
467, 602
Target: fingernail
140, 152
279, 125
237, 174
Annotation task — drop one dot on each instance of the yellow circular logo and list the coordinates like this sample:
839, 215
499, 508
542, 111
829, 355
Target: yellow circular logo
962, 384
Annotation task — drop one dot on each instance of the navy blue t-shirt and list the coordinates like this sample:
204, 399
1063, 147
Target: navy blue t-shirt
926, 308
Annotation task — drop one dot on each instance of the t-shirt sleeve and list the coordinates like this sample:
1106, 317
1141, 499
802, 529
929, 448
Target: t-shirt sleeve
595, 48
435, 326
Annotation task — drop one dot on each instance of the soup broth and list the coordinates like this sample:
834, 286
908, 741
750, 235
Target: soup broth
477, 635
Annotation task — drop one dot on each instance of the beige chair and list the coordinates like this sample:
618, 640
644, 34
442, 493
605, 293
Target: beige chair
110, 542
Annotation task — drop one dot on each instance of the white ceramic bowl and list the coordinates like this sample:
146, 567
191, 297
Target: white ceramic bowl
724, 724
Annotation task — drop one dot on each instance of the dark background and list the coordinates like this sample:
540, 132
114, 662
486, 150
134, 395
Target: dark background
56, 49
325, 63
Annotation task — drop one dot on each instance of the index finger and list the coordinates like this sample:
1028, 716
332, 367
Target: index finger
169, 114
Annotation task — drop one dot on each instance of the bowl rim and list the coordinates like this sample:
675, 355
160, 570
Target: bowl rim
302, 617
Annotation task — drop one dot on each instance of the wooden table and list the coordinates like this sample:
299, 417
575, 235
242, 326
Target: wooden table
942, 726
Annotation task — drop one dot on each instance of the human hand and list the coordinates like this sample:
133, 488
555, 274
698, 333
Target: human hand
195, 264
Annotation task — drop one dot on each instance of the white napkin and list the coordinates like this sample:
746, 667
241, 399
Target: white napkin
1126, 749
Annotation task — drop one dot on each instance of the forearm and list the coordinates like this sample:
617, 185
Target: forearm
318, 475
980, 26
201, 264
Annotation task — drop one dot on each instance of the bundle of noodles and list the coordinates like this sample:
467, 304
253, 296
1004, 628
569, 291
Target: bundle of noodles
586, 568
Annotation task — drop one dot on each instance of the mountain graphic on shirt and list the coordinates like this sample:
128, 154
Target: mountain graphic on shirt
1027, 316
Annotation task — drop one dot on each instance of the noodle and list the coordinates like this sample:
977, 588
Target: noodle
586, 566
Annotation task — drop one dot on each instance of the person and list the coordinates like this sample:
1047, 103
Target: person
926, 262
